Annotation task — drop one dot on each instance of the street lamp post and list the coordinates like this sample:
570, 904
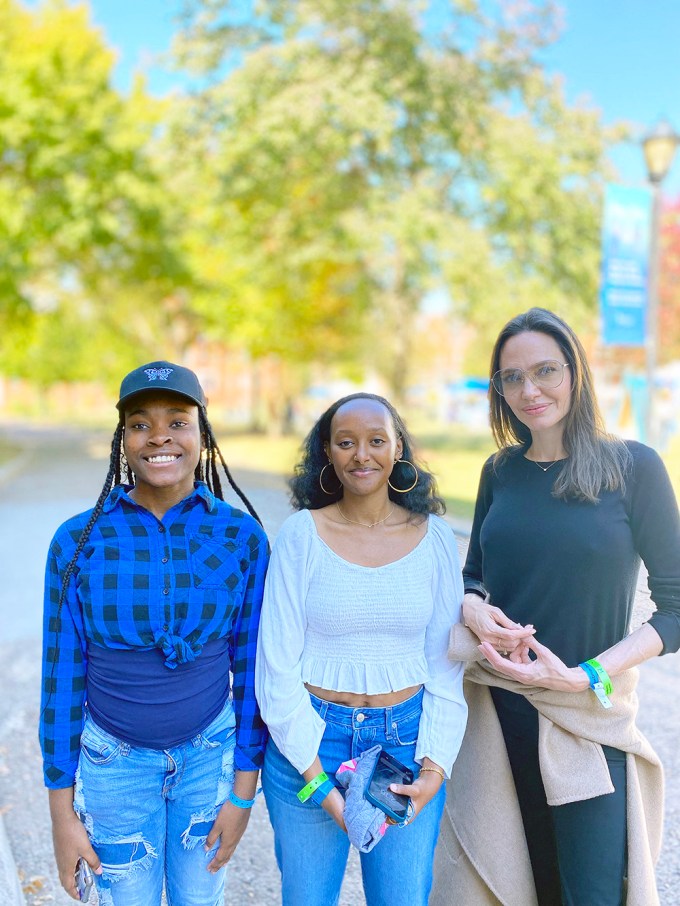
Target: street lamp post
659, 149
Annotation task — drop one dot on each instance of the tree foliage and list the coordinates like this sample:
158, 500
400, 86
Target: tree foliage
84, 232
402, 148
341, 164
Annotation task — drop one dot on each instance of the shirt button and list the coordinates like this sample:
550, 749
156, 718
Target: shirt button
166, 591
164, 560
361, 718
165, 627
161, 528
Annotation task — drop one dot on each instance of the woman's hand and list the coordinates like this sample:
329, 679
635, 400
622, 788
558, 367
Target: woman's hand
424, 788
491, 625
228, 827
334, 804
231, 821
546, 670
70, 840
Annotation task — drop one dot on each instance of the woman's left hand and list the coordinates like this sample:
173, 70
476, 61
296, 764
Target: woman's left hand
546, 670
229, 826
424, 788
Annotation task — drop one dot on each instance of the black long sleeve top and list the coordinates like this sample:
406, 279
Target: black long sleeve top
570, 567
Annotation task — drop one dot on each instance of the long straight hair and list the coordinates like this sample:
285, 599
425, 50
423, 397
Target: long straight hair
597, 461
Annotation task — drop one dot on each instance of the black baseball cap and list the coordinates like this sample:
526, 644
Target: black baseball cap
161, 376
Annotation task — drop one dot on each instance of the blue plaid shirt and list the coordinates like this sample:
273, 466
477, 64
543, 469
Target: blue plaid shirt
192, 577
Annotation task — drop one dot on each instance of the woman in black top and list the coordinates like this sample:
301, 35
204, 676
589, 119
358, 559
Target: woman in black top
564, 514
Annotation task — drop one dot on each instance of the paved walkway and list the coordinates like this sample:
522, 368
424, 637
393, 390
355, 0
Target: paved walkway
62, 475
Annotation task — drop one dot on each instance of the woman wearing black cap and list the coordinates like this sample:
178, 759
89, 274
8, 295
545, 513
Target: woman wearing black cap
150, 754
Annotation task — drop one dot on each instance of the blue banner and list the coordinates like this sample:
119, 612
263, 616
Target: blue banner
626, 240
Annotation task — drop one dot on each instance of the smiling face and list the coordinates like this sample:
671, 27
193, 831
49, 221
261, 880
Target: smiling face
162, 444
541, 409
363, 446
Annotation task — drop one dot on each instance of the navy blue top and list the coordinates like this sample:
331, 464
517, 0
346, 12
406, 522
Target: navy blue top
570, 567
133, 695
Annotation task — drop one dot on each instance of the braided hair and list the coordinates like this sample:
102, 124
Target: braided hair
118, 467
210, 474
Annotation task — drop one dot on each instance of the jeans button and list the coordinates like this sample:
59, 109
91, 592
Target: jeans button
361, 717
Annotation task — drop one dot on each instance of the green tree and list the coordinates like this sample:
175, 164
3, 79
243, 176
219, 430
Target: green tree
90, 270
399, 148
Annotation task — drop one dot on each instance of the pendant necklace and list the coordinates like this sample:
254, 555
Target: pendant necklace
545, 468
365, 524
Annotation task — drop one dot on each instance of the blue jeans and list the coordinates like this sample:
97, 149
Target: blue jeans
311, 850
148, 813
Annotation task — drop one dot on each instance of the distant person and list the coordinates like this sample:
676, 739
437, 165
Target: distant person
564, 515
151, 755
363, 587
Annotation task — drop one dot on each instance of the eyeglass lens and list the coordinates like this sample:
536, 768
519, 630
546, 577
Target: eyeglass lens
543, 374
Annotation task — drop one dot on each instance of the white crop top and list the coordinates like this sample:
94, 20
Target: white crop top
368, 630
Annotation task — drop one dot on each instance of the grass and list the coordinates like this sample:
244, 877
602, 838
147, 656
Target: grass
453, 453
7, 451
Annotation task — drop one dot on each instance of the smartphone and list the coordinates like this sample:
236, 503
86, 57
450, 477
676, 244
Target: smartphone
387, 770
84, 880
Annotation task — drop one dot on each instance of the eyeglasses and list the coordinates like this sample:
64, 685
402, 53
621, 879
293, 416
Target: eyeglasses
510, 381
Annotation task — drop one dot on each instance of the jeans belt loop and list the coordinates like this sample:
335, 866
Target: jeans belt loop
388, 722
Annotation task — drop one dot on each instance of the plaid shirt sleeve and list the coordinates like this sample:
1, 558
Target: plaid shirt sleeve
63, 669
251, 732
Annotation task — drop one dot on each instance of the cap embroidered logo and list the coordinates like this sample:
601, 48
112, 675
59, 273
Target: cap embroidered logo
158, 373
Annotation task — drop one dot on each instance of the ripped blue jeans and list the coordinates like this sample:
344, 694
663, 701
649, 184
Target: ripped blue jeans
148, 813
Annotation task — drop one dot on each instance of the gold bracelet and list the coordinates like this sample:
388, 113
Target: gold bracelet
435, 771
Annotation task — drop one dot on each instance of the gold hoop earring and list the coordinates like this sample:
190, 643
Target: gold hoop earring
330, 493
415, 480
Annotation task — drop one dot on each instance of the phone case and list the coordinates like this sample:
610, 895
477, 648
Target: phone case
387, 770
84, 880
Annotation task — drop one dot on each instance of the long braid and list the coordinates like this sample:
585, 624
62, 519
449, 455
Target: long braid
212, 474
113, 475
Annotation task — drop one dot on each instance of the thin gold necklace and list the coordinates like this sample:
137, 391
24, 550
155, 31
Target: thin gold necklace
365, 524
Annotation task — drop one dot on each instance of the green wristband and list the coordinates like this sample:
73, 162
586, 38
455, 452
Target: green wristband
602, 675
313, 785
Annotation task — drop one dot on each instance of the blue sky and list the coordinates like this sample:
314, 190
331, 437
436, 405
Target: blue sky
621, 56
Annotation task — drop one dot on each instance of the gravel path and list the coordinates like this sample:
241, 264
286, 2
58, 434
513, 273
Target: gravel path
62, 475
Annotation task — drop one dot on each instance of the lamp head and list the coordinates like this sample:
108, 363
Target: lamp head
659, 149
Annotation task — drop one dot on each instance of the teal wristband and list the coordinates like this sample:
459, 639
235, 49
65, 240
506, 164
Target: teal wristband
602, 675
313, 785
595, 678
240, 803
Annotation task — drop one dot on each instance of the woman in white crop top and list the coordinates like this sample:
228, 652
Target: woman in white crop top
363, 586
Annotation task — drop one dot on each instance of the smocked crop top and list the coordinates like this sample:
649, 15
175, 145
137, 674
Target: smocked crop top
367, 630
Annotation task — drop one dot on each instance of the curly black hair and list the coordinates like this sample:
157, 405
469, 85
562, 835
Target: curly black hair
306, 491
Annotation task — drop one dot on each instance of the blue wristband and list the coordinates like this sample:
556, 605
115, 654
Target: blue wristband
322, 791
596, 684
240, 803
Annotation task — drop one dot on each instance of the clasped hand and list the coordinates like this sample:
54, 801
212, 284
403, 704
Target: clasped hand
498, 634
491, 625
